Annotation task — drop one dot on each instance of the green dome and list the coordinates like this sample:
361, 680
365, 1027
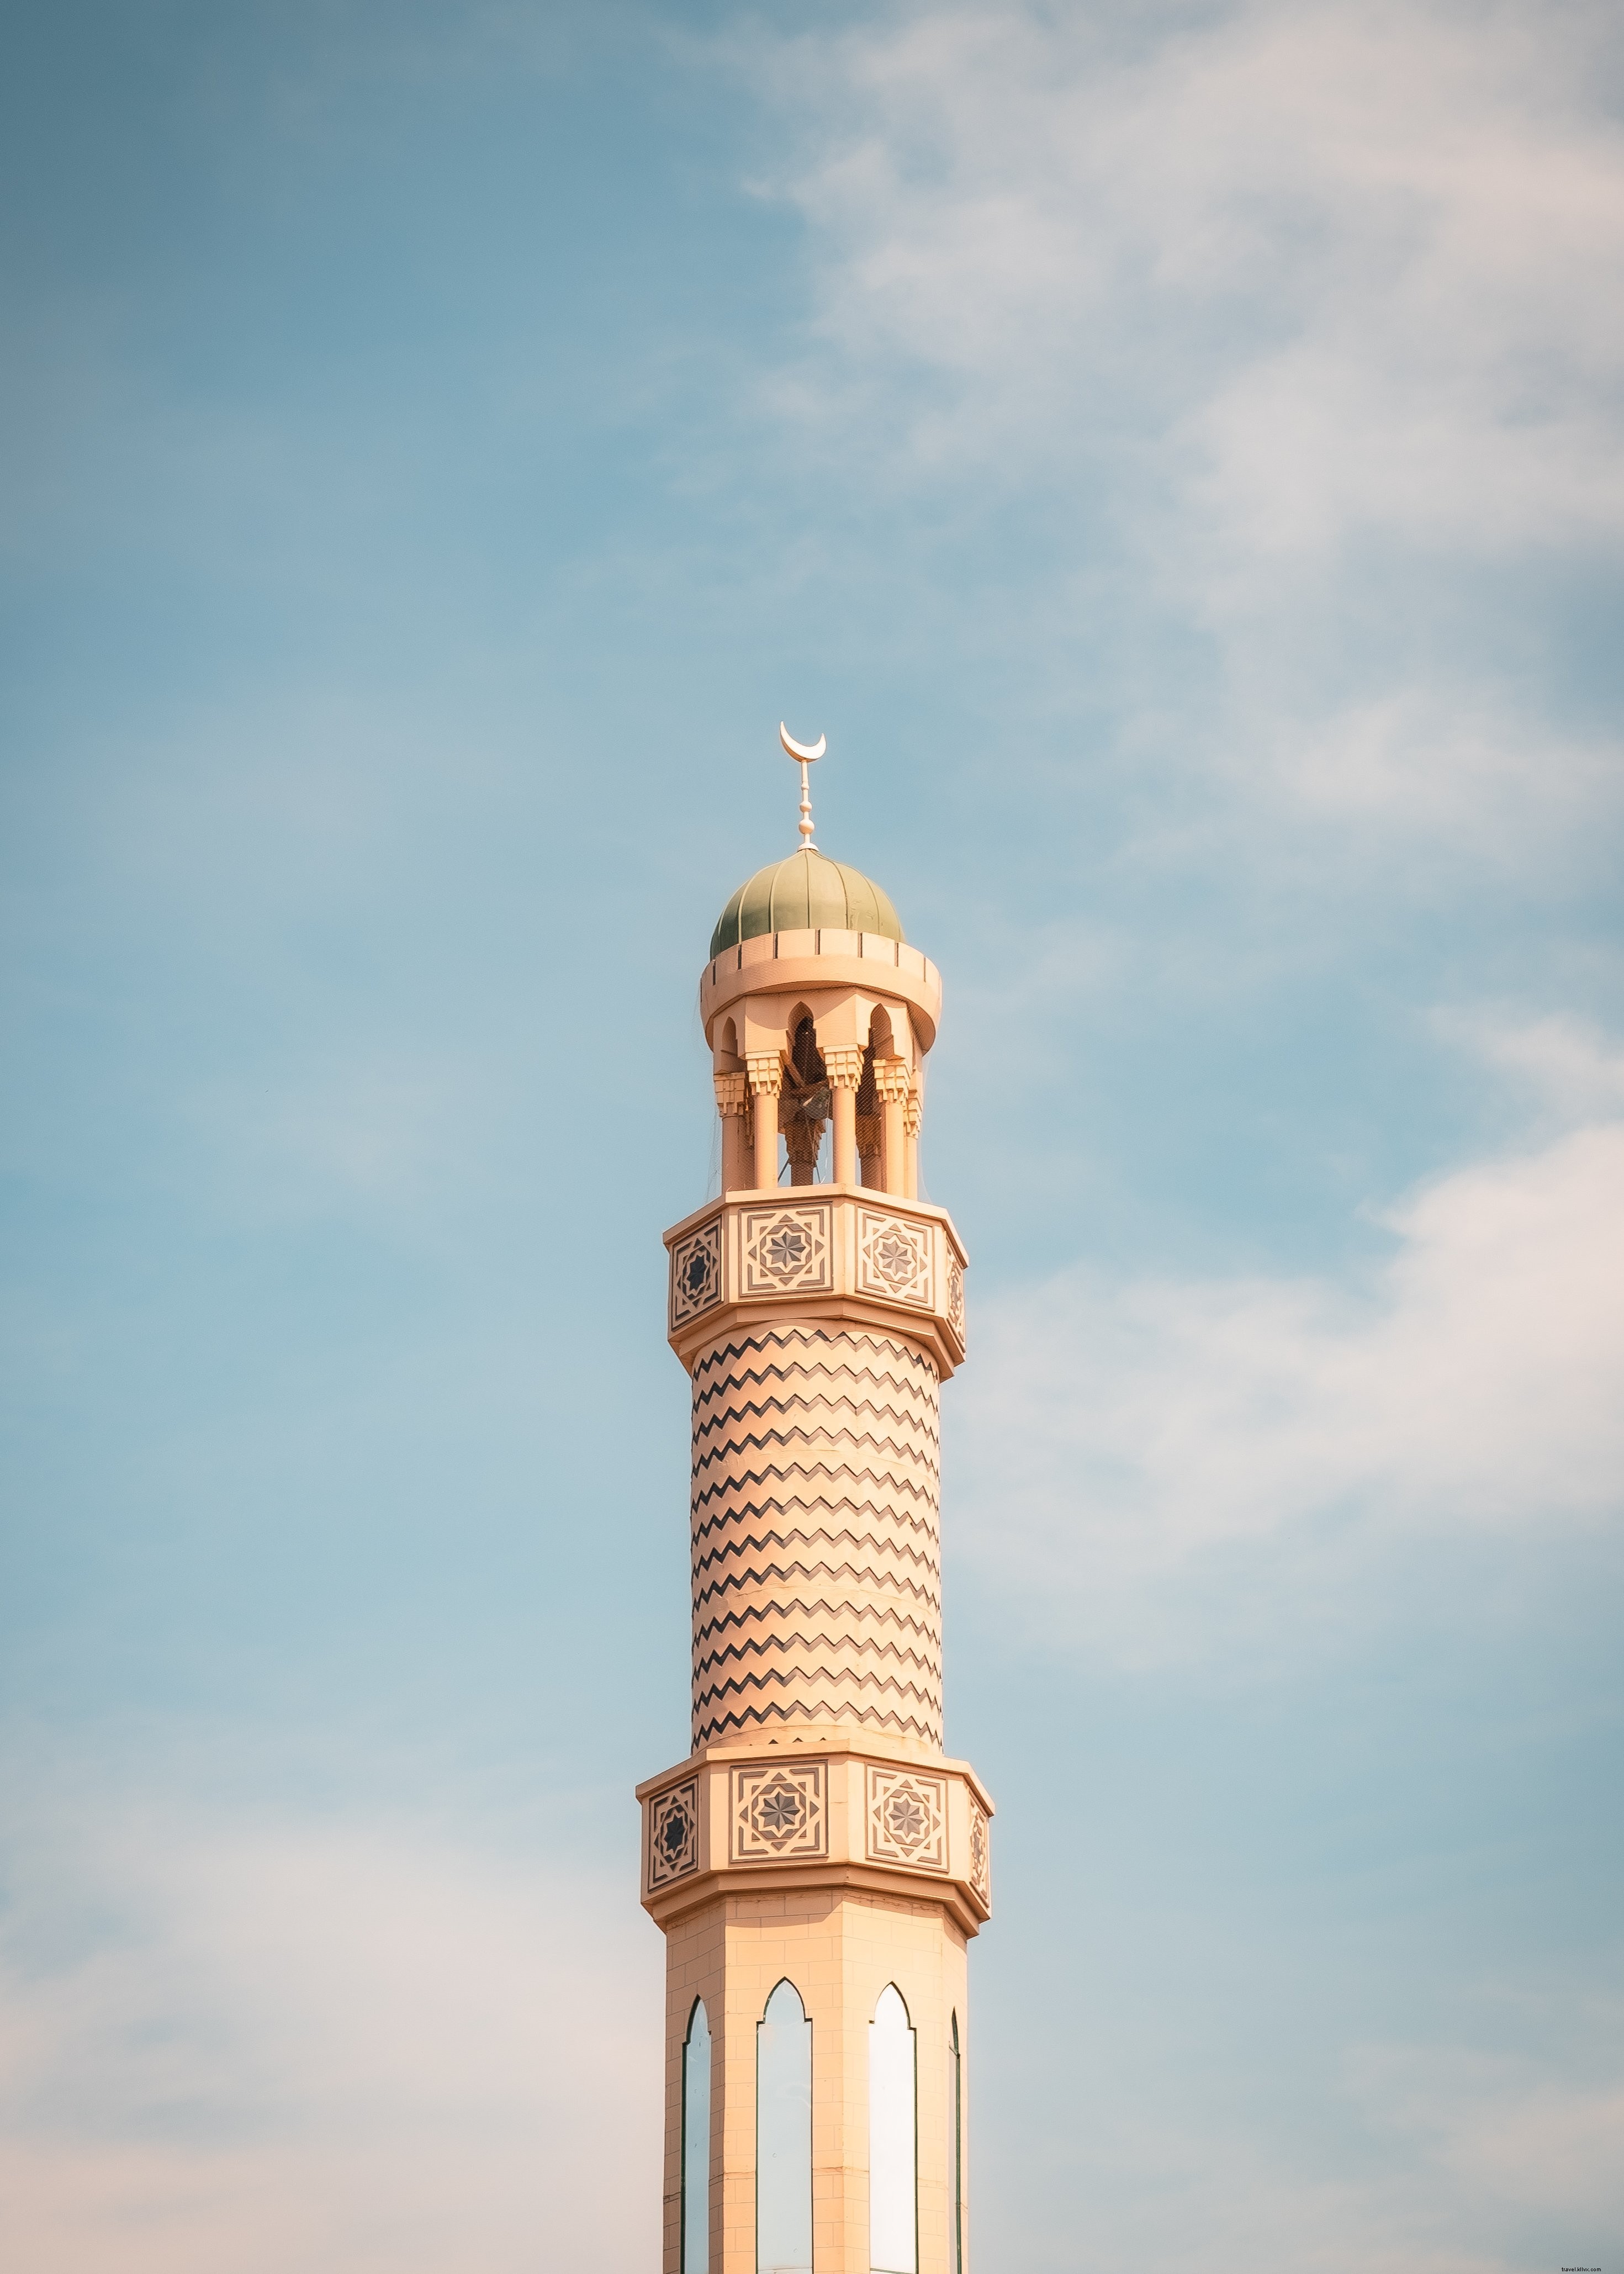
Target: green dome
807, 893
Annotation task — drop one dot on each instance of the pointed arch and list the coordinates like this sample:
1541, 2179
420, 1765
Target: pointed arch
785, 2003
695, 2257
894, 2137
784, 2135
889, 1999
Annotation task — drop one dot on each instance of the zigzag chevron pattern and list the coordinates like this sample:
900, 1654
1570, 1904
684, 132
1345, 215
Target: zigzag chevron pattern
816, 1547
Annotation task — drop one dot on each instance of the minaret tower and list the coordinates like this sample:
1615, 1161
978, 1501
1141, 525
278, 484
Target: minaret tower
817, 1863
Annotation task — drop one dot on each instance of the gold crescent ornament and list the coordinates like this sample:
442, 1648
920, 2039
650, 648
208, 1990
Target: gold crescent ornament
803, 753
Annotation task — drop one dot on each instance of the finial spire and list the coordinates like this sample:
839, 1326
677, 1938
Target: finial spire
805, 753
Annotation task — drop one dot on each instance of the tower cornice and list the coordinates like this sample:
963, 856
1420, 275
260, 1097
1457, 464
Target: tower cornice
807, 962
827, 1807
841, 1253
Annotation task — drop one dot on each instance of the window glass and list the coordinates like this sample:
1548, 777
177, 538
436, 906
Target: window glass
893, 2212
696, 2143
955, 2148
783, 2136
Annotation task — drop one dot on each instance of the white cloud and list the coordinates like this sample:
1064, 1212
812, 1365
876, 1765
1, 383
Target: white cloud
1306, 314
258, 2044
1337, 266
1123, 1435
1445, 763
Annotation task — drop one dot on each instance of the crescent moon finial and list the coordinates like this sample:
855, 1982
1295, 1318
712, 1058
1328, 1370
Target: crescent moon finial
804, 753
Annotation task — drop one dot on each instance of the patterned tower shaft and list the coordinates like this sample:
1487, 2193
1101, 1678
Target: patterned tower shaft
816, 1558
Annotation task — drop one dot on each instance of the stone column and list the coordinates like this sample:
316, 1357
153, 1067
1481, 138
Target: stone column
843, 1069
733, 1103
766, 1080
890, 1080
913, 1114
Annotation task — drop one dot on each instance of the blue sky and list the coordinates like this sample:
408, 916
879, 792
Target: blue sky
1173, 452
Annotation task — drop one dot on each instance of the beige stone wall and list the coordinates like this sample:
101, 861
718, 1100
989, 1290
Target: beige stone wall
816, 1561
840, 1949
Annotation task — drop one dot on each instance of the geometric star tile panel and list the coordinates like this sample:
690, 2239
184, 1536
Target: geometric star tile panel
955, 1298
697, 1274
981, 1861
778, 1813
907, 1819
673, 1835
787, 1251
893, 1258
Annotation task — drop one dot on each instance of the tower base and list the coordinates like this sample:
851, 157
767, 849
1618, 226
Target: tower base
848, 1866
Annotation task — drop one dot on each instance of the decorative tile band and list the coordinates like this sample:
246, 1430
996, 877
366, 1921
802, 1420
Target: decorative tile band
907, 1819
955, 1298
893, 1258
673, 1835
981, 1859
785, 1250
778, 1813
697, 1273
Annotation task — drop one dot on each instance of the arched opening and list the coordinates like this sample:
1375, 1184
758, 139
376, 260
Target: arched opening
893, 2138
803, 1105
783, 2136
955, 2150
696, 2254
870, 1128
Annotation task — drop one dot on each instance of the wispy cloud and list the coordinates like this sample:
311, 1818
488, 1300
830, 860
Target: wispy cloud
1349, 267
1125, 1433
259, 2042
1305, 316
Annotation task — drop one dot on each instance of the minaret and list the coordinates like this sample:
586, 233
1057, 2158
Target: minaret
818, 1863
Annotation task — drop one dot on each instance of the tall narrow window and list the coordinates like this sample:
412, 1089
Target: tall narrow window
955, 2148
696, 2143
893, 2181
783, 2136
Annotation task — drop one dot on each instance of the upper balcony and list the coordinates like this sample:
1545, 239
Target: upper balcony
836, 1252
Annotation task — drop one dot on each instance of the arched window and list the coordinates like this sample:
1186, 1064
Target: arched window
696, 2143
893, 2176
783, 2136
955, 2150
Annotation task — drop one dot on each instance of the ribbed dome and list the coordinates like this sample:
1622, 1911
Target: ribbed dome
807, 893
